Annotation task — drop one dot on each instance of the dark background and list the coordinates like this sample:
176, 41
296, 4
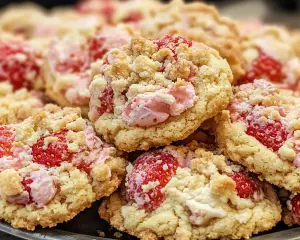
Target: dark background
290, 5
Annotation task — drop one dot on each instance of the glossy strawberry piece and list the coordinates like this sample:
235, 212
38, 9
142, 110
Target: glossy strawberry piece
295, 202
18, 64
6, 139
171, 42
106, 101
264, 66
272, 135
151, 172
245, 185
53, 153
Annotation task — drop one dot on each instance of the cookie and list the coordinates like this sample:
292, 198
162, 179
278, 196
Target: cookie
189, 192
134, 12
260, 130
104, 8
20, 63
16, 107
291, 211
151, 93
53, 166
270, 55
67, 68
21, 19
201, 23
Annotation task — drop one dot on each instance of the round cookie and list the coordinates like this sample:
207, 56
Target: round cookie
151, 93
201, 23
53, 166
67, 68
17, 106
189, 192
270, 55
260, 130
20, 63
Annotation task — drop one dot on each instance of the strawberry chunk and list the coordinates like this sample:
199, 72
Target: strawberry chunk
272, 135
51, 154
264, 66
295, 202
133, 17
96, 48
6, 140
245, 185
171, 42
18, 64
106, 39
105, 8
75, 63
151, 172
106, 101
26, 184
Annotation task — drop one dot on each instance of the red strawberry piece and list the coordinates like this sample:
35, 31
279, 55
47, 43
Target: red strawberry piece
264, 66
154, 168
103, 7
172, 42
245, 185
18, 64
6, 139
295, 202
272, 135
133, 17
76, 63
26, 184
106, 101
53, 153
96, 48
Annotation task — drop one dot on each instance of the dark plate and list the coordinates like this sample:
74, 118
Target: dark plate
87, 226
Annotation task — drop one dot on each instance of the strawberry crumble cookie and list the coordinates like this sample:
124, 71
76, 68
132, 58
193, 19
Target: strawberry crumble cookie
151, 93
17, 106
190, 193
201, 23
20, 63
261, 130
270, 55
52, 166
291, 212
68, 65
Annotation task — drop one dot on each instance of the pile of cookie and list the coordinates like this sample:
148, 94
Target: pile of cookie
186, 122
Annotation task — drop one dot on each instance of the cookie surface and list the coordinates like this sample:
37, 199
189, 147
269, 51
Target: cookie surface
53, 166
190, 193
270, 55
17, 106
260, 130
67, 67
20, 63
201, 23
151, 93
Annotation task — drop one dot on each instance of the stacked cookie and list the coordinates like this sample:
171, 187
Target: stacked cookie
208, 106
